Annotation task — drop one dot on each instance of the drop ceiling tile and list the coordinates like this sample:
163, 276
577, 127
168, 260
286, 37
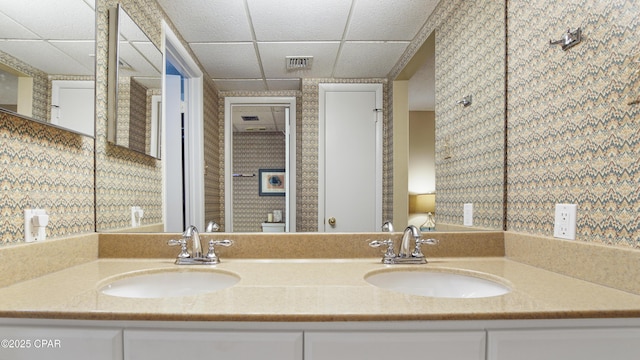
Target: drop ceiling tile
139, 64
13, 30
44, 18
286, 20
209, 20
240, 84
283, 84
371, 19
129, 30
228, 60
83, 51
368, 59
151, 53
273, 56
44, 56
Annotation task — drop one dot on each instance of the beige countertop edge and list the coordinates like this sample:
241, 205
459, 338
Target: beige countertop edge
595, 314
314, 290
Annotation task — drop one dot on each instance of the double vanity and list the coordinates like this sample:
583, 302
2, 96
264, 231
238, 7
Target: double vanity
128, 298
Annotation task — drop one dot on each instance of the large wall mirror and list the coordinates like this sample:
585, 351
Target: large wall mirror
135, 86
480, 32
47, 62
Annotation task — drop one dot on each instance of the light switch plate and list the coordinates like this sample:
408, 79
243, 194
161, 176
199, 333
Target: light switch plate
468, 214
564, 226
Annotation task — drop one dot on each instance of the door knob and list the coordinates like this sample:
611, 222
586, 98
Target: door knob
332, 221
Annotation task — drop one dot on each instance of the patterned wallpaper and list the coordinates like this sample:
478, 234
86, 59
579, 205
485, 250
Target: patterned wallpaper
470, 165
251, 152
44, 167
138, 117
124, 178
572, 137
213, 156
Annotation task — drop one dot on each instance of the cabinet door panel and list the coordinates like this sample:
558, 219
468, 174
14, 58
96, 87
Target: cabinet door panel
463, 345
564, 344
60, 343
177, 344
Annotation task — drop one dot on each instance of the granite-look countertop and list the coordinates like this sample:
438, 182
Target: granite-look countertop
312, 290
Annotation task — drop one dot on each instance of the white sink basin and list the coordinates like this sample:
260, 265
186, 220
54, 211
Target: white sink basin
169, 284
437, 284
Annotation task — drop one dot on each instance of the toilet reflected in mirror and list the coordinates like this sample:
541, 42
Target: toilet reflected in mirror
273, 227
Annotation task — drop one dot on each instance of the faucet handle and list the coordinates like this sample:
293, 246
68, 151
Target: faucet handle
389, 254
225, 242
183, 250
211, 254
417, 252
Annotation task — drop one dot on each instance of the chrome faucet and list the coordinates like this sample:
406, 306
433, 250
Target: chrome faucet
410, 232
196, 245
404, 255
196, 258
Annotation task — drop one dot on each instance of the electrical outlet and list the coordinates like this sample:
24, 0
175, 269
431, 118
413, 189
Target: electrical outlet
136, 216
468, 214
35, 223
564, 226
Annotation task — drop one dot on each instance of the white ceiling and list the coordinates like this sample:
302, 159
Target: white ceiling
267, 118
243, 44
57, 37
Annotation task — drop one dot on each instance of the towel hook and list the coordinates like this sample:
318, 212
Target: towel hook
569, 39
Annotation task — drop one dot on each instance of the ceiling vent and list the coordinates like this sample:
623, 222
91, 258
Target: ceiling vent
299, 62
250, 118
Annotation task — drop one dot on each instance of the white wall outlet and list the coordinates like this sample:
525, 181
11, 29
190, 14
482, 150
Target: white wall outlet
564, 226
35, 225
468, 214
136, 216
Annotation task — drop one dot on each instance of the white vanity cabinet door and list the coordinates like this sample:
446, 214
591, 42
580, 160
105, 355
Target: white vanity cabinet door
60, 343
441, 345
204, 345
565, 344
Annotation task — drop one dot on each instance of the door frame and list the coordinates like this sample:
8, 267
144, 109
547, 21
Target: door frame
345, 87
193, 184
290, 188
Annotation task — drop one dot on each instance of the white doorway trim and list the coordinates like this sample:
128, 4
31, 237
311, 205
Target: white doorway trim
290, 102
175, 52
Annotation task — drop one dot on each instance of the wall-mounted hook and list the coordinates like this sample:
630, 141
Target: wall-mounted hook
466, 101
569, 39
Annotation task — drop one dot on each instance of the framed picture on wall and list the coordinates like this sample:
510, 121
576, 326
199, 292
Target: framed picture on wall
271, 182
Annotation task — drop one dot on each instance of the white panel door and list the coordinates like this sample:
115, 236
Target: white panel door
350, 164
73, 105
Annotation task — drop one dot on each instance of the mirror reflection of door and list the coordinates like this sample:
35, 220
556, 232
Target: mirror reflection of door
259, 143
350, 161
72, 105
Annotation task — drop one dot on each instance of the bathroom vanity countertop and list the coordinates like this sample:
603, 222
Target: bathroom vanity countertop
312, 290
